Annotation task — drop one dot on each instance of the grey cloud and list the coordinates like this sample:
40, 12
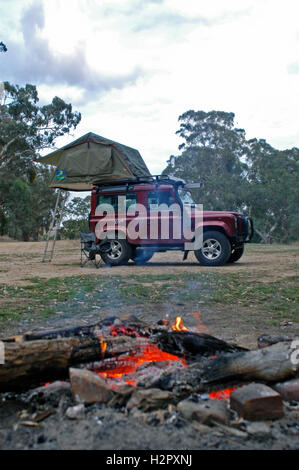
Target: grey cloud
34, 62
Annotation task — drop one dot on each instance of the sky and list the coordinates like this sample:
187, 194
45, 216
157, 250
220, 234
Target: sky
132, 67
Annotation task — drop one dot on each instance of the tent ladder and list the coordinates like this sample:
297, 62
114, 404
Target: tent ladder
54, 227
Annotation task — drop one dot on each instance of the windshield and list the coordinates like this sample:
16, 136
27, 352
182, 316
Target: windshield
185, 196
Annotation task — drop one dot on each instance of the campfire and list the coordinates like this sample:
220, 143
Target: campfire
126, 362
122, 369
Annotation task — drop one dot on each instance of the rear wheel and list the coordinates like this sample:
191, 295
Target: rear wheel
215, 251
236, 254
141, 256
119, 253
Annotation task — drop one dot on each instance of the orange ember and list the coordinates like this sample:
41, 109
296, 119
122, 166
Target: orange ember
120, 366
222, 394
179, 325
125, 331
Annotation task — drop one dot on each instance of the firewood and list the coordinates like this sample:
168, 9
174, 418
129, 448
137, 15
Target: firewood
271, 364
29, 363
265, 340
70, 332
192, 345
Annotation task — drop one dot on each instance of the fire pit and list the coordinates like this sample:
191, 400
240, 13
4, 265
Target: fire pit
126, 362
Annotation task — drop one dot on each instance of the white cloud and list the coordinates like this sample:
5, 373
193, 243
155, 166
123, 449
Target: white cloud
157, 59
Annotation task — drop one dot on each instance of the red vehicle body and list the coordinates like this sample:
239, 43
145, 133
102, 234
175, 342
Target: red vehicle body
223, 233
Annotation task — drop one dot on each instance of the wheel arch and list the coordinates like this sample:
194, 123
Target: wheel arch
114, 234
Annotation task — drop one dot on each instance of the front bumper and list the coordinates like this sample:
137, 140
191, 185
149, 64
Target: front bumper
245, 230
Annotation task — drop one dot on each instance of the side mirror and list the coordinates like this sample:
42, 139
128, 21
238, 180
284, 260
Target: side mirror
192, 186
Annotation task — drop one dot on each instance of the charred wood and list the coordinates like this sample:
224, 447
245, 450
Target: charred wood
191, 345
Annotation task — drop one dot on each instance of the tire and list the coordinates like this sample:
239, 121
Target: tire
142, 256
236, 254
120, 253
215, 251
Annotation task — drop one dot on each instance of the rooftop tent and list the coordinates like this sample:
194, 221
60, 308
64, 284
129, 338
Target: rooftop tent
91, 159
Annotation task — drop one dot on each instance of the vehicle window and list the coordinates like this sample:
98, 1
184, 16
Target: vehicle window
159, 197
112, 200
185, 196
131, 201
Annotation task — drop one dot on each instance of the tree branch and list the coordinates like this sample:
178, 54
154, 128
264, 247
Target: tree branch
4, 149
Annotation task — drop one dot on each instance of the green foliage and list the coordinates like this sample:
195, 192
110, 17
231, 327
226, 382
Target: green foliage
78, 210
26, 201
78, 207
18, 207
236, 174
71, 228
26, 127
273, 192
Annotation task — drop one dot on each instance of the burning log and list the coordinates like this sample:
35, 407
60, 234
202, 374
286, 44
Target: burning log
28, 363
271, 364
79, 331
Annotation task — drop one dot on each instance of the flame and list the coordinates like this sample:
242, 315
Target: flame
201, 328
103, 345
179, 325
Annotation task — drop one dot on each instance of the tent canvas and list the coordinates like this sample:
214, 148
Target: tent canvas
91, 159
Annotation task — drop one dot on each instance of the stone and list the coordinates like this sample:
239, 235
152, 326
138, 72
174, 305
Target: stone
259, 429
150, 399
76, 412
53, 388
288, 390
87, 387
206, 412
257, 402
121, 396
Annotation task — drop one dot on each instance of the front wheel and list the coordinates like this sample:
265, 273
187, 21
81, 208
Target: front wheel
236, 254
119, 253
215, 251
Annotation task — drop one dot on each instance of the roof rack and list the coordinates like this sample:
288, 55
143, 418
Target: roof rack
141, 179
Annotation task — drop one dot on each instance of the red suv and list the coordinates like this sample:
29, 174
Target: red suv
134, 217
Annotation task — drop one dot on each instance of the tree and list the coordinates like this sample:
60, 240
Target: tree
212, 147
19, 210
43, 202
25, 129
273, 192
246, 175
77, 210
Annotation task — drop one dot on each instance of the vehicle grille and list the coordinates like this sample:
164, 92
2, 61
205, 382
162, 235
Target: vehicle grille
244, 226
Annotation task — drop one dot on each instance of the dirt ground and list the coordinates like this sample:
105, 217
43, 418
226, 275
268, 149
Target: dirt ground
21, 261
106, 428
